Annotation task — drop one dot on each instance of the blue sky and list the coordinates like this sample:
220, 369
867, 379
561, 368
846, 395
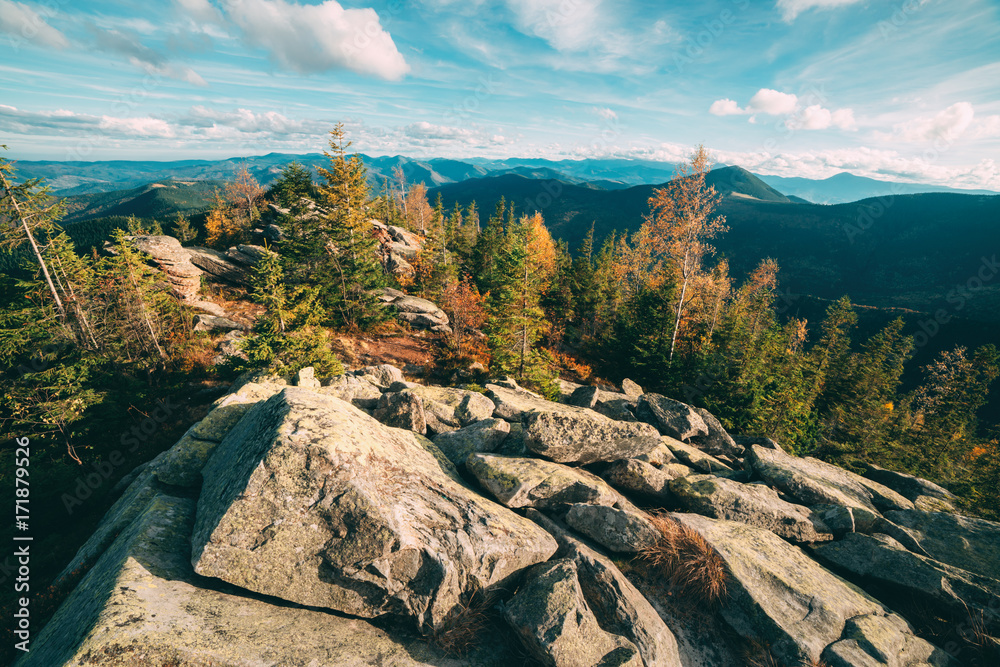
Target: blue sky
901, 90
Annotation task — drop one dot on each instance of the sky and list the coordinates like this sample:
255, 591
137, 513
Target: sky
903, 90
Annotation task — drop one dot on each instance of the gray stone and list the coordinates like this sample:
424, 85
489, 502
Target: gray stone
141, 604
752, 504
483, 436
306, 377
673, 418
619, 607
907, 485
310, 500
523, 482
402, 409
383, 375
776, 594
513, 403
694, 457
213, 323
718, 442
964, 542
883, 559
631, 389
620, 530
585, 438
814, 482
643, 478
552, 618
219, 265
883, 642
358, 391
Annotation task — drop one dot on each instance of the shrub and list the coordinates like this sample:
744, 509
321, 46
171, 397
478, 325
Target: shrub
684, 556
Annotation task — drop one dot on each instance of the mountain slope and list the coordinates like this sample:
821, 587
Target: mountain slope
152, 200
845, 187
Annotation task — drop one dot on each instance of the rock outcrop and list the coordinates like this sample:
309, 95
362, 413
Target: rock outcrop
306, 521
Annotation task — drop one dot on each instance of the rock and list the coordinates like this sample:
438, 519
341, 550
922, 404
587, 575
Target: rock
383, 375
310, 500
213, 323
566, 389
610, 404
419, 313
175, 262
306, 377
141, 604
694, 457
814, 482
402, 409
718, 442
777, 595
248, 255
636, 476
358, 391
619, 607
483, 436
552, 618
585, 438
224, 414
453, 408
219, 265
181, 464
631, 389
521, 482
960, 541
752, 504
206, 306
745, 442
513, 403
877, 641
883, 559
404, 237
659, 455
907, 485
620, 530
673, 418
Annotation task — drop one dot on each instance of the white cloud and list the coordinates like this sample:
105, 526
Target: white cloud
24, 23
726, 107
948, 125
772, 102
844, 119
318, 38
790, 9
136, 127
201, 11
606, 113
115, 41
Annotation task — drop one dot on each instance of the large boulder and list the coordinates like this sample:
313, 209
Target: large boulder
449, 408
883, 559
694, 457
619, 607
926, 496
965, 542
383, 375
635, 476
624, 530
555, 623
718, 441
814, 482
524, 482
483, 436
585, 438
218, 264
752, 504
513, 403
776, 594
141, 604
359, 391
418, 313
610, 404
401, 409
883, 641
310, 500
175, 262
673, 418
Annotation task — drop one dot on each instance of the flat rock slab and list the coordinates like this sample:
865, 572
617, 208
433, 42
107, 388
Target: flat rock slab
694, 457
777, 594
512, 404
524, 482
555, 623
619, 607
673, 418
586, 438
359, 391
718, 441
313, 501
878, 641
814, 482
752, 504
623, 530
909, 486
960, 541
883, 559
644, 478
141, 604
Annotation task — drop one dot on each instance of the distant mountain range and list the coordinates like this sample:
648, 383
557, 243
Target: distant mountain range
74, 178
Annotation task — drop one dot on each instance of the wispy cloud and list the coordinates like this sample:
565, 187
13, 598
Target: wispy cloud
790, 9
949, 125
118, 42
23, 23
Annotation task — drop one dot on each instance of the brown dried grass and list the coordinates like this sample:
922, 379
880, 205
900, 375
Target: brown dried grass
692, 566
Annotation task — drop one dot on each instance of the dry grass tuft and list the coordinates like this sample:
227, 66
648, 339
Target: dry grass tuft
686, 558
459, 635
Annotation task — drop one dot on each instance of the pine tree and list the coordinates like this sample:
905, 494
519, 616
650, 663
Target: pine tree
184, 230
